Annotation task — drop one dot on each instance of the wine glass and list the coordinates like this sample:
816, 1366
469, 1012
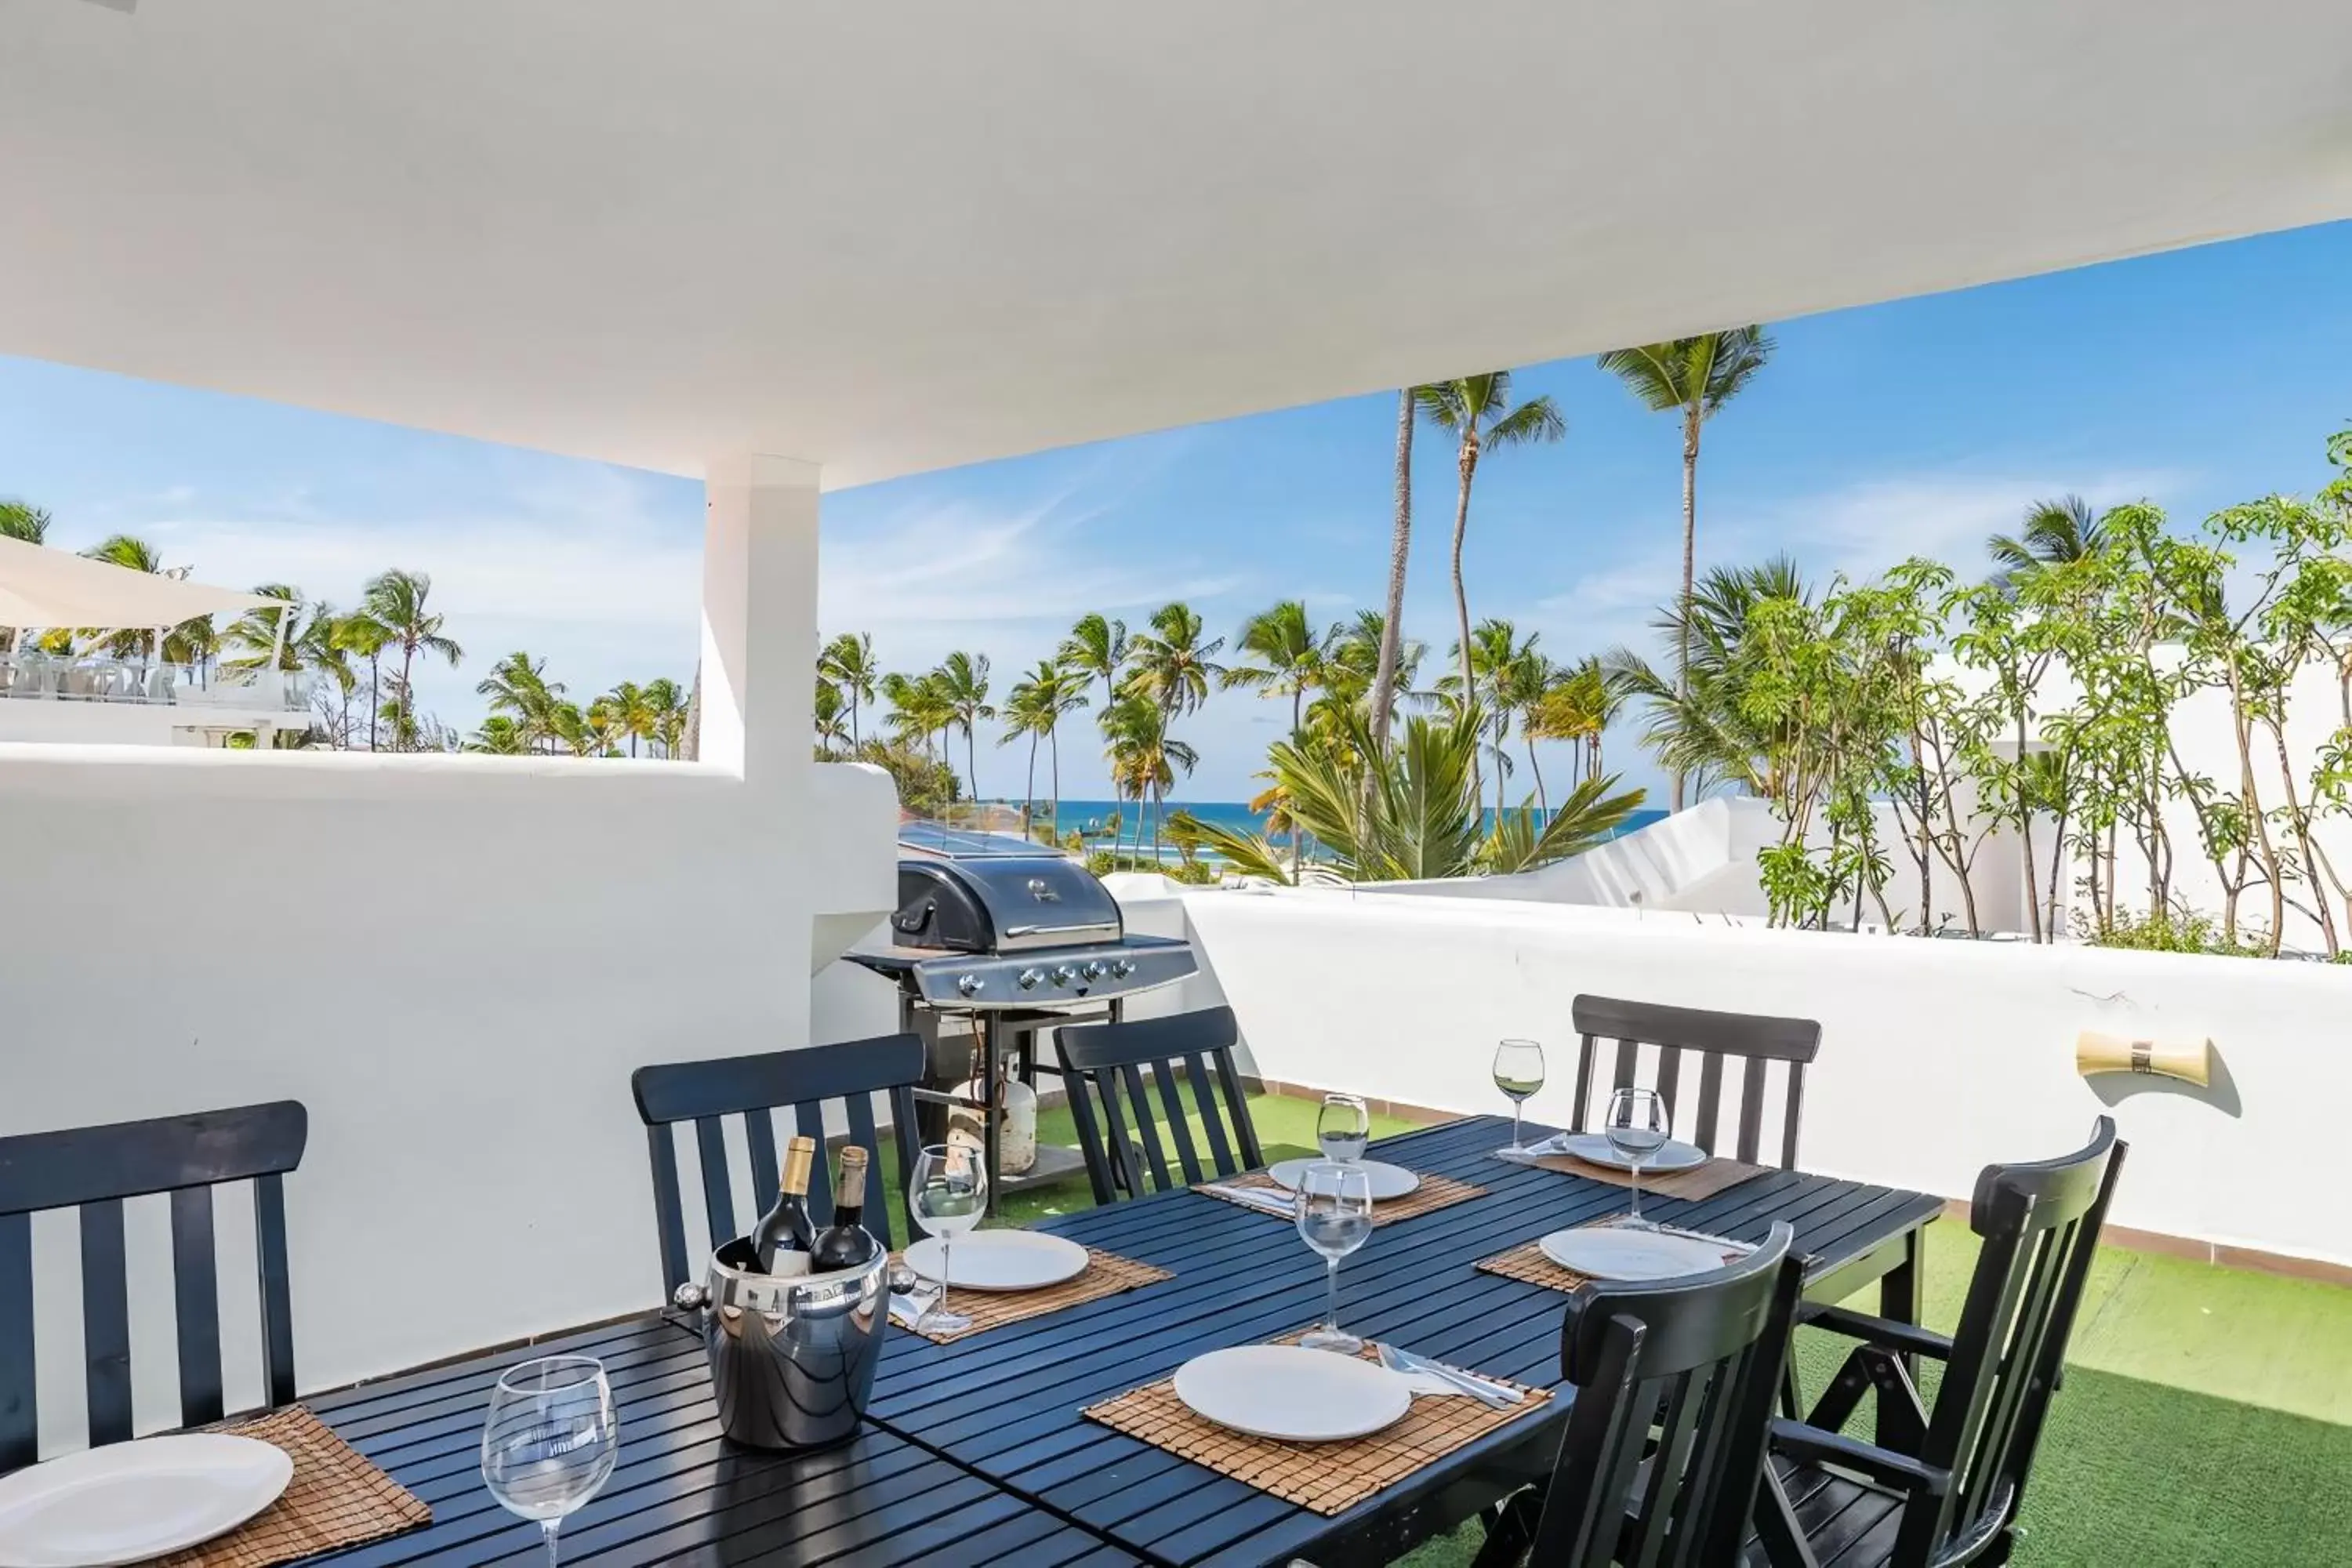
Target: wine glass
550, 1439
947, 1196
1637, 1128
1343, 1127
1520, 1073
1333, 1208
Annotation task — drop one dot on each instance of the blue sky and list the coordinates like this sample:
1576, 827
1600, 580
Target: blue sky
2194, 379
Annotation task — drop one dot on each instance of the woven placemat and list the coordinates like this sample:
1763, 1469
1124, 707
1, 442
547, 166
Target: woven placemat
1105, 1274
335, 1499
1528, 1263
1435, 1192
1717, 1175
1327, 1478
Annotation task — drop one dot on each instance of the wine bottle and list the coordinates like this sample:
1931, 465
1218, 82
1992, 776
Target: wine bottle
846, 1243
784, 1231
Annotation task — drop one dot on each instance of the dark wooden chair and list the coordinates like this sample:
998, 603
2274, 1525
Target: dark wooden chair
1104, 1066
707, 1092
1944, 1489
93, 1170
1665, 1442
1679, 1032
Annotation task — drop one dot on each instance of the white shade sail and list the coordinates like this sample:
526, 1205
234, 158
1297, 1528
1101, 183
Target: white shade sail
44, 587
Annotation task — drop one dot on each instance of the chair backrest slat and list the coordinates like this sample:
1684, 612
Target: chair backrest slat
195, 1291
1680, 1375
755, 1088
2040, 1227
20, 1433
718, 1187
1755, 1039
1104, 1064
106, 1320
93, 1171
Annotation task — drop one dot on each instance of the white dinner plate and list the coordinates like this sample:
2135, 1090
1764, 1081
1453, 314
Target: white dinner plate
127, 1502
1387, 1181
1593, 1149
1001, 1260
1292, 1395
1618, 1252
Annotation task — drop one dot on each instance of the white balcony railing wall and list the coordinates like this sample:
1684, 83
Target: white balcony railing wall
29, 675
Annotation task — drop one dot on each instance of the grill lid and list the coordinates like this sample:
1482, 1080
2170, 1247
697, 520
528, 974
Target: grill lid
1003, 903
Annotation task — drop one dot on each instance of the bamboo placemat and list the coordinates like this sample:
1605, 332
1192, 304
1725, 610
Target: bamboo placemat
1327, 1478
1105, 1274
335, 1499
1528, 1263
1700, 1182
1435, 1192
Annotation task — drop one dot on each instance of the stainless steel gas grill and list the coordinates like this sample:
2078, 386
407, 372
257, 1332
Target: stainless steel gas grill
996, 941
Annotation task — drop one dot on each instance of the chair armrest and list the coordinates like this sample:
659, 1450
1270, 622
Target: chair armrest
1815, 1447
1886, 1332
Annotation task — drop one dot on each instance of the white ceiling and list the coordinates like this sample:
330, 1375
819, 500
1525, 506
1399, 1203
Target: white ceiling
890, 236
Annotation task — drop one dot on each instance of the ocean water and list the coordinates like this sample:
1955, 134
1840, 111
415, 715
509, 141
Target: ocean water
1093, 817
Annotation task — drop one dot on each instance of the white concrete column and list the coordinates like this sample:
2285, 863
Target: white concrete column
759, 617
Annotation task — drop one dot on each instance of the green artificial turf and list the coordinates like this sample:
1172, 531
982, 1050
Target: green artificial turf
2206, 1421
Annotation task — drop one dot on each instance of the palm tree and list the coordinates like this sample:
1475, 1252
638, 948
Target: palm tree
1291, 656
669, 705
1384, 670
632, 714
1695, 377
258, 634
132, 554
2056, 533
833, 737
1414, 810
395, 601
1508, 674
1577, 705
1701, 726
1143, 756
848, 661
361, 633
1097, 647
1172, 668
1034, 707
963, 682
21, 520
518, 688
500, 736
1478, 411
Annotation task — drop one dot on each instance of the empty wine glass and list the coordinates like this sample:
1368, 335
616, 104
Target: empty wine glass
947, 1195
1333, 1208
1343, 1127
550, 1439
1637, 1128
1520, 1073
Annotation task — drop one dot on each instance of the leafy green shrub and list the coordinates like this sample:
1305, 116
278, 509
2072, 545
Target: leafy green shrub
1101, 862
2184, 930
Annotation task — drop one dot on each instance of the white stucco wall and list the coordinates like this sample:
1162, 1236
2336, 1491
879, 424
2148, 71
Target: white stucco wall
1937, 1056
455, 962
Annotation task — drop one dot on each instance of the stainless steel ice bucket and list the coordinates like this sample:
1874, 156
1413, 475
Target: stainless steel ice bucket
791, 1356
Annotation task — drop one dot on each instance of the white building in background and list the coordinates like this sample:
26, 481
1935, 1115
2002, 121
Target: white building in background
788, 247
94, 698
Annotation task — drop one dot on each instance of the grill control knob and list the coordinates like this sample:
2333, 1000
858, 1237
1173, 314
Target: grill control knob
1122, 967
1027, 979
1064, 975
1095, 969
970, 985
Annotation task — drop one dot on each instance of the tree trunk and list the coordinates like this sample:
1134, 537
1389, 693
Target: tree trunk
2025, 840
2300, 821
375, 695
1468, 466
1029, 790
1690, 558
407, 692
1543, 806
1400, 548
2057, 859
1053, 745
